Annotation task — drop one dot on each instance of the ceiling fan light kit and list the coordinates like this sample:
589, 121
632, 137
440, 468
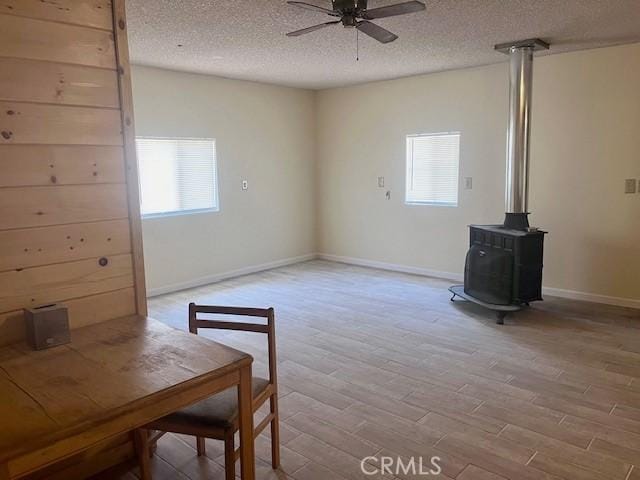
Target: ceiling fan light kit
355, 14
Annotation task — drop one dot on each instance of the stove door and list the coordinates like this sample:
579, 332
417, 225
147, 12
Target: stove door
488, 274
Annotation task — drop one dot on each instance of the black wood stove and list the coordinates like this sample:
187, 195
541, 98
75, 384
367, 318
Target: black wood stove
503, 268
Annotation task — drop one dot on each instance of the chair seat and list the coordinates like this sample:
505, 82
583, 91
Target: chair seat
218, 411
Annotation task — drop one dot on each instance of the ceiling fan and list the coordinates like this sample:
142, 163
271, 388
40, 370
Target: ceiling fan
354, 14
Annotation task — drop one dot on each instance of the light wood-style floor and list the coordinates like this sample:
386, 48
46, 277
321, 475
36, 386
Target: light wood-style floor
375, 363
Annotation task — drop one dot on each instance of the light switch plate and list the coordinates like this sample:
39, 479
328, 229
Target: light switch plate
468, 183
245, 185
380, 182
630, 185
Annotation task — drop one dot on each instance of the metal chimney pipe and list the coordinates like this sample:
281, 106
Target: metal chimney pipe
520, 87
521, 71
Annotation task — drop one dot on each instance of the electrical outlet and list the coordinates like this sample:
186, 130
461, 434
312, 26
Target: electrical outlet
245, 185
630, 185
468, 183
380, 182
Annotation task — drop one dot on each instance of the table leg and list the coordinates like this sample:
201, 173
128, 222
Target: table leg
141, 442
245, 420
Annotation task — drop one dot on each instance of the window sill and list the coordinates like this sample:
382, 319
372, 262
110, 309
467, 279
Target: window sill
431, 204
180, 213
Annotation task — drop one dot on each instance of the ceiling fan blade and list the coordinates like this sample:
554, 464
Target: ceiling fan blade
315, 8
393, 10
297, 33
377, 32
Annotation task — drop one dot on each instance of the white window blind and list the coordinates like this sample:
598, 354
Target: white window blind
177, 175
432, 168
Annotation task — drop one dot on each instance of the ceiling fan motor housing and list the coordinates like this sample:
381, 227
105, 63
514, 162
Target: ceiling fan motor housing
349, 6
349, 21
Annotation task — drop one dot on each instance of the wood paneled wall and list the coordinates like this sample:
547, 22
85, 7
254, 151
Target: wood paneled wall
68, 173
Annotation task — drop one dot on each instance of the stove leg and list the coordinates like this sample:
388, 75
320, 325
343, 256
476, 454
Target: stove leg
500, 315
452, 297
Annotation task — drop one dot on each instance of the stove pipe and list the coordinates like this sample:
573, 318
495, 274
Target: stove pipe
517, 178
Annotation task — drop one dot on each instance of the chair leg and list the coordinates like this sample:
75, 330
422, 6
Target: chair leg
200, 446
153, 442
275, 432
229, 456
141, 442
153, 448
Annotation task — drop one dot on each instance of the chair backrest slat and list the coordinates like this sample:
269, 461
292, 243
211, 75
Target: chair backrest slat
247, 327
241, 311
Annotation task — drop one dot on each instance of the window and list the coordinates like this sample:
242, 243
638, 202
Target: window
432, 169
177, 175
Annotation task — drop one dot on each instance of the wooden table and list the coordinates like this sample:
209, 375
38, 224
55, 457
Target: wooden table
113, 377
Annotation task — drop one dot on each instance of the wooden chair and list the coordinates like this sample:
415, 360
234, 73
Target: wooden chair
216, 417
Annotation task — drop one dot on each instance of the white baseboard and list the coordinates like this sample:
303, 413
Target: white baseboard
393, 267
459, 277
206, 280
592, 297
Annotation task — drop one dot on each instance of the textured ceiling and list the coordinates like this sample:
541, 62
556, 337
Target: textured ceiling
246, 39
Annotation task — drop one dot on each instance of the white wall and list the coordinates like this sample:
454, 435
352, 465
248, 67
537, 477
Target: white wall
585, 142
312, 160
265, 134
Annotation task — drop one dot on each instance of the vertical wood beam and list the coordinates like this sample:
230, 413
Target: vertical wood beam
131, 163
